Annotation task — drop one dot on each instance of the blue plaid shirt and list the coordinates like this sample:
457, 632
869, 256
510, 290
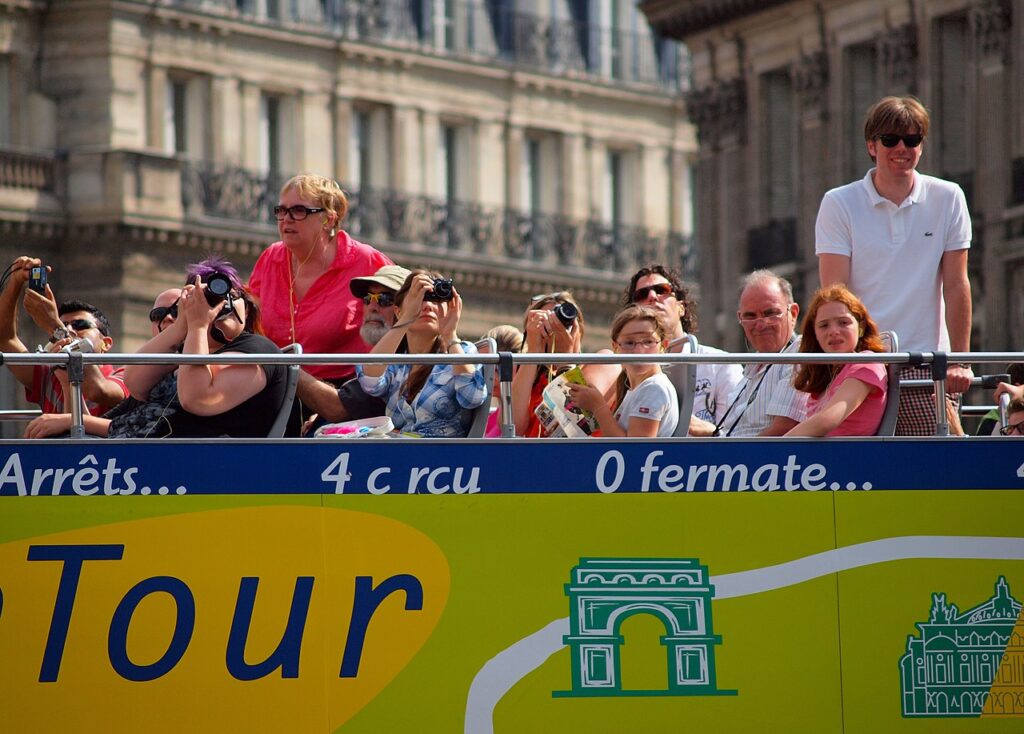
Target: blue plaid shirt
443, 408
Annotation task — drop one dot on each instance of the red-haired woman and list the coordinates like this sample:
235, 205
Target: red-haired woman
846, 399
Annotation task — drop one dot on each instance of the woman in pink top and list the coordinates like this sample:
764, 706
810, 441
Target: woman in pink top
302, 282
848, 399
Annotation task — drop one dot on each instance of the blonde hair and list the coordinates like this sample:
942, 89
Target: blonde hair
325, 191
507, 337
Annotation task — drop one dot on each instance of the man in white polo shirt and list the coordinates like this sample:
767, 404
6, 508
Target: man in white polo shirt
899, 240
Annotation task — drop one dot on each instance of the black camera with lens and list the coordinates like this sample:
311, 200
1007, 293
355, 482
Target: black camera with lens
566, 313
441, 292
37, 279
218, 287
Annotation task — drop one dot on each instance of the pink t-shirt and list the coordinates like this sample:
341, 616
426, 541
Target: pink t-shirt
328, 317
863, 421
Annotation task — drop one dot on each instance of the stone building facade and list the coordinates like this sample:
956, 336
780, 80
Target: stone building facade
521, 147
780, 92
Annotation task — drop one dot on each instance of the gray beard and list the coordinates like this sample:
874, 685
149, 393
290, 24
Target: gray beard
373, 331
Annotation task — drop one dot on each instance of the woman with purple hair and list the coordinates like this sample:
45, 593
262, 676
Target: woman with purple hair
239, 400
196, 400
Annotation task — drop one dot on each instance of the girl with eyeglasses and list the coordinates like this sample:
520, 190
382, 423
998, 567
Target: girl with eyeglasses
303, 281
646, 403
846, 399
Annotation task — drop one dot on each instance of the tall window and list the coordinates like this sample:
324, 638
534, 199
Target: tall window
862, 92
779, 144
359, 149
951, 36
614, 205
447, 162
532, 176
176, 116
270, 134
6, 83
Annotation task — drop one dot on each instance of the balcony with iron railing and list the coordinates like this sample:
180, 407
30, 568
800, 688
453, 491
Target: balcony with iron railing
477, 30
216, 193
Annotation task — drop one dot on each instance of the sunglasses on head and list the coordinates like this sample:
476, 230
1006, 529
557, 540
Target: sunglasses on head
891, 140
158, 314
381, 299
658, 289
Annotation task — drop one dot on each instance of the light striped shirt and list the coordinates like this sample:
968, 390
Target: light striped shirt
765, 392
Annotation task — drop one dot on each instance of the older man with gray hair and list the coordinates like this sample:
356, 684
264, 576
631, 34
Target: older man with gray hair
348, 401
765, 403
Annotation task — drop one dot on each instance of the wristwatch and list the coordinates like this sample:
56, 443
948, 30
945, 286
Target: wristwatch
59, 333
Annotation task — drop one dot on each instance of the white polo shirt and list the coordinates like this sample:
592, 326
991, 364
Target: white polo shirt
895, 252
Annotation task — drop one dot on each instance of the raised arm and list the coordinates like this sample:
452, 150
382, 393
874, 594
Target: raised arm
140, 378
211, 389
9, 341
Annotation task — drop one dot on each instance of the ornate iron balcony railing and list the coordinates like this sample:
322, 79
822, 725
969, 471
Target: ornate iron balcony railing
488, 29
386, 215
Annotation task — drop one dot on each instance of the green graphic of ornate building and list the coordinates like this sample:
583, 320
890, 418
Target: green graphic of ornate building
958, 662
603, 592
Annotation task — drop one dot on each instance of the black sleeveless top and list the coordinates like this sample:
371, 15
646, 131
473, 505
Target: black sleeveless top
251, 419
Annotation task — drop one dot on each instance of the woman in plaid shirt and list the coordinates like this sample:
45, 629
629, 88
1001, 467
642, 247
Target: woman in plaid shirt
432, 401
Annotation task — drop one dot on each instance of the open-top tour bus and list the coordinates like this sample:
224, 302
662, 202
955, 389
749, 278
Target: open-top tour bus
512, 585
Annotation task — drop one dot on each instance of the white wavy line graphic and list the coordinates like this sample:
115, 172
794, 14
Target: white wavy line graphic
508, 667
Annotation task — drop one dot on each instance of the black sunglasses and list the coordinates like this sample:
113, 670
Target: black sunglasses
382, 299
890, 140
158, 314
297, 212
80, 324
658, 289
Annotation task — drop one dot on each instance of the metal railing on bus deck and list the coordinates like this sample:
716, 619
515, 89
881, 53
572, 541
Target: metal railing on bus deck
938, 361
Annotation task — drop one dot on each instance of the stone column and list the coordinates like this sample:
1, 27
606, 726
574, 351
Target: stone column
514, 142
991, 24
488, 162
430, 184
342, 135
576, 178
156, 107
227, 129
810, 83
407, 160
315, 144
250, 125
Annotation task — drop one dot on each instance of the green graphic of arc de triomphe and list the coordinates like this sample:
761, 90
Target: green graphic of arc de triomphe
603, 592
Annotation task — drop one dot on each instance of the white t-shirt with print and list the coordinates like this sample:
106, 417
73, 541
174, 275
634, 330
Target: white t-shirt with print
654, 399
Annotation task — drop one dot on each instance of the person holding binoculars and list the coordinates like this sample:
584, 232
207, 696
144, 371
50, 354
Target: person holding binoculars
554, 324
435, 401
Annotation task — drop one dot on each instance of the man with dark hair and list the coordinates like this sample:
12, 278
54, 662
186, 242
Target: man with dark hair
899, 240
70, 323
660, 288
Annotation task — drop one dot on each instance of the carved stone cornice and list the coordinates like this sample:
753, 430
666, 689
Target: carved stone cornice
991, 21
810, 81
681, 18
719, 110
897, 52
